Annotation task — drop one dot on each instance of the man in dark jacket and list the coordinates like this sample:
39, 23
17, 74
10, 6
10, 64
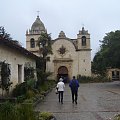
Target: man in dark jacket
74, 84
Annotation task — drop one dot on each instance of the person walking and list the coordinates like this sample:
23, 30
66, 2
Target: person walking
74, 85
60, 87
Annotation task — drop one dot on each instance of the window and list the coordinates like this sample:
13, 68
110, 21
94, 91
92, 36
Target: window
117, 74
83, 41
32, 43
113, 74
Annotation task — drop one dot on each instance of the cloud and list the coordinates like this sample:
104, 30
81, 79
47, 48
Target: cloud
98, 17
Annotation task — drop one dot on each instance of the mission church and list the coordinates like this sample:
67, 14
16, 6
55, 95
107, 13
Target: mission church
71, 57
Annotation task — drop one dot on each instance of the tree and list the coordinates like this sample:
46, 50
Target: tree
3, 34
109, 54
44, 43
5, 70
5, 76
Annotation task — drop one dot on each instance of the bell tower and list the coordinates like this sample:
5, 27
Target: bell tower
84, 52
33, 34
83, 39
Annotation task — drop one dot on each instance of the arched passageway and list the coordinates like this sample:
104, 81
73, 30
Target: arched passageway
63, 72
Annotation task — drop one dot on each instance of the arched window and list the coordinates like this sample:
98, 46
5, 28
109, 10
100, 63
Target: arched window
83, 41
32, 43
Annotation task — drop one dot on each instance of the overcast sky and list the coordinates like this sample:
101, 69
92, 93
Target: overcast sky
98, 16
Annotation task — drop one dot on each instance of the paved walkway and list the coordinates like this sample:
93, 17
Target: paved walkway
96, 101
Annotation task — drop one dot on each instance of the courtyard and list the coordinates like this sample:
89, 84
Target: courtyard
96, 101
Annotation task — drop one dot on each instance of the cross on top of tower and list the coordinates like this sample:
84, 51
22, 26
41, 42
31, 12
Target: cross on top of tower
38, 13
83, 25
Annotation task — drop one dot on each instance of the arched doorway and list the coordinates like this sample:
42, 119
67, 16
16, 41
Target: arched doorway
63, 72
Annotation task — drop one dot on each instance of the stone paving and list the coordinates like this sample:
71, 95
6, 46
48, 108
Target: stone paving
96, 101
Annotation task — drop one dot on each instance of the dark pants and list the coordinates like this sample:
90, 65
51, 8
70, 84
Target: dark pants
60, 96
74, 96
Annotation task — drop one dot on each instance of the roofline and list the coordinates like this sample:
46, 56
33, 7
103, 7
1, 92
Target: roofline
18, 48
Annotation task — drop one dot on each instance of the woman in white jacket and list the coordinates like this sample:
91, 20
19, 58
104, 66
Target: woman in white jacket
60, 87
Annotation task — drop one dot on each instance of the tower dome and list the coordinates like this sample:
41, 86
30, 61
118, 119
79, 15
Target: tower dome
37, 27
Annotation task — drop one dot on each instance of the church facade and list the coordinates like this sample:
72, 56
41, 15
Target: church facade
71, 57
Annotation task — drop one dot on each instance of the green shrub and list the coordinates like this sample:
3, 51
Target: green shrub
10, 111
7, 110
26, 112
31, 84
21, 98
47, 85
42, 77
30, 94
28, 101
26, 91
117, 117
20, 89
88, 79
45, 116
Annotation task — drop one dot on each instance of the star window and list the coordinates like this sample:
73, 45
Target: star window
62, 50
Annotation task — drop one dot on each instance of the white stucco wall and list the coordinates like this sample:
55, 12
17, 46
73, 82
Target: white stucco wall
84, 63
81, 60
15, 58
70, 54
28, 47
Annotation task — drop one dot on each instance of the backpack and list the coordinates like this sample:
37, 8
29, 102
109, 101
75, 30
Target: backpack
74, 85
